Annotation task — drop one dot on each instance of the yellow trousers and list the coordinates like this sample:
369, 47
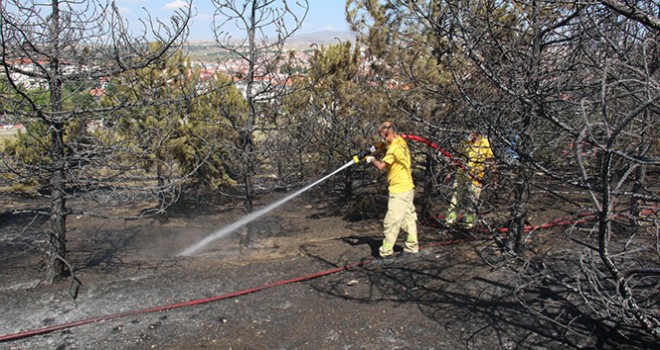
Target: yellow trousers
400, 215
464, 199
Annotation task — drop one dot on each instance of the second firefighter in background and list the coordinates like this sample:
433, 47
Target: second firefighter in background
468, 182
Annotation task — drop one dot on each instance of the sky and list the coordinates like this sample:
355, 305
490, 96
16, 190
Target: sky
323, 15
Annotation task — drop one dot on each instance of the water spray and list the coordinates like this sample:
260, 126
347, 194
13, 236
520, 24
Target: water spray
257, 214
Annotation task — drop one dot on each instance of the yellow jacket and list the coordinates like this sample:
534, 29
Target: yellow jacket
399, 173
478, 153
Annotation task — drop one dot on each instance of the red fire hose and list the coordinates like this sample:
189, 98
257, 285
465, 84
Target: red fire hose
28, 333
457, 162
435, 146
33, 332
45, 330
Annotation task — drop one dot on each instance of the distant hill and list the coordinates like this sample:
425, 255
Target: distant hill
302, 41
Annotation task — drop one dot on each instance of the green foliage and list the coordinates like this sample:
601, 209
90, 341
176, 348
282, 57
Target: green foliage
332, 115
186, 136
411, 53
182, 136
208, 132
26, 155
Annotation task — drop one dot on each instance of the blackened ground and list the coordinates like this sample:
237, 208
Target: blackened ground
465, 295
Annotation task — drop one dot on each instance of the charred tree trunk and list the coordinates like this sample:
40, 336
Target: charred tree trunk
520, 208
57, 234
57, 239
247, 148
247, 142
428, 183
638, 185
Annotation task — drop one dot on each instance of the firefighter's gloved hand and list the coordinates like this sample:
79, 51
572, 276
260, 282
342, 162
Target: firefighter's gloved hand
369, 159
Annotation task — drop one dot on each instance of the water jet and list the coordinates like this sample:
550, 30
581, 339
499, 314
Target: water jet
255, 215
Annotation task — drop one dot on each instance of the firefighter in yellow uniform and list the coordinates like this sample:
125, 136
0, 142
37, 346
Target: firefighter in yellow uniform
401, 213
468, 181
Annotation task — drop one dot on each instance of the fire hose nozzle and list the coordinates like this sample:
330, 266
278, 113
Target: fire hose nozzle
361, 155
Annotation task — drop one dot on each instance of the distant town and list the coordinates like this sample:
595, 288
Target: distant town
211, 59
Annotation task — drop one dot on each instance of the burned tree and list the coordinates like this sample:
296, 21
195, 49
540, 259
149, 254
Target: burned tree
264, 27
55, 56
